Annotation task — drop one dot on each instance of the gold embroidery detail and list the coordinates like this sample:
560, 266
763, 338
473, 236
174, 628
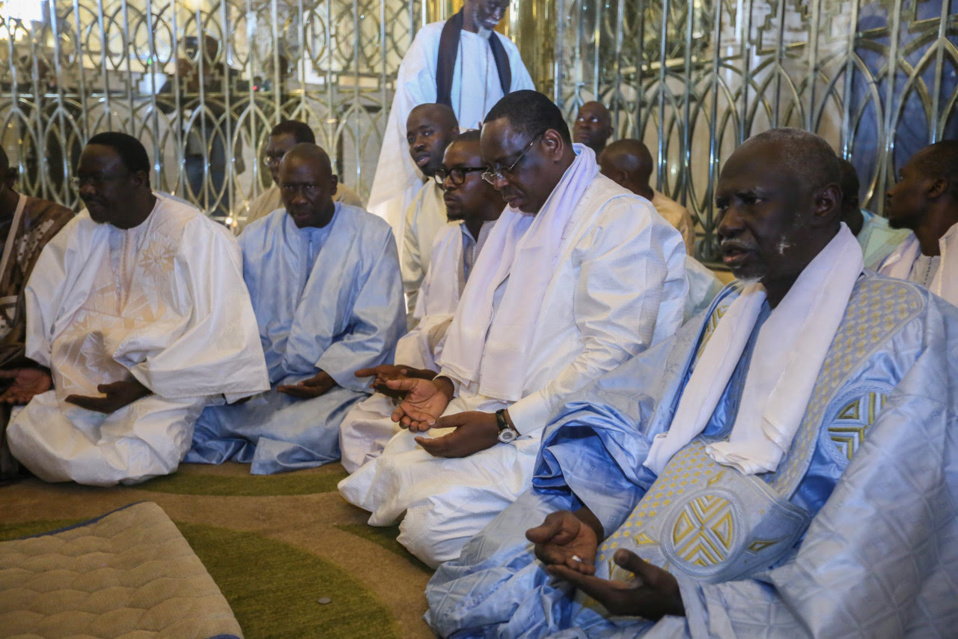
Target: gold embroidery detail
704, 531
761, 544
850, 426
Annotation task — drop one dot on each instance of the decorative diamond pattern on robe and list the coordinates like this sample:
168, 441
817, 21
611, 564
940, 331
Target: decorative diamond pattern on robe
704, 531
849, 428
877, 309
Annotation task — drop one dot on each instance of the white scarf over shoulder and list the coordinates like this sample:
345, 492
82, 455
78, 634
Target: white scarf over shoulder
525, 248
789, 353
945, 283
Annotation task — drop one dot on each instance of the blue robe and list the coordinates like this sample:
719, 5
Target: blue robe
879, 485
325, 299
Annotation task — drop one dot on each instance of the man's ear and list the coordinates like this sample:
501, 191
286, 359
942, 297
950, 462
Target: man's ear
555, 145
142, 177
827, 205
333, 184
938, 188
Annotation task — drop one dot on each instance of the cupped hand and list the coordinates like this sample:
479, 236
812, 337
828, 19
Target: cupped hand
25, 383
651, 592
423, 404
565, 540
315, 386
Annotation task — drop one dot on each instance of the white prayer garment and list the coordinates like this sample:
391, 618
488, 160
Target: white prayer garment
424, 219
397, 179
944, 282
326, 299
554, 300
272, 199
368, 427
678, 216
163, 303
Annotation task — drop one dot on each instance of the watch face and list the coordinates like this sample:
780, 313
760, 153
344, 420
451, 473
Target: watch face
507, 435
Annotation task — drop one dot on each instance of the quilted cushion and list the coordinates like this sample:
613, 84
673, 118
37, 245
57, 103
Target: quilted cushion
128, 574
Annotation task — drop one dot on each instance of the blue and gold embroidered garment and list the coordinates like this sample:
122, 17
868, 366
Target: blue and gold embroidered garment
855, 534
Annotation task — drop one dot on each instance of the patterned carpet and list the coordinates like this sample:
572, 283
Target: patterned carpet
292, 558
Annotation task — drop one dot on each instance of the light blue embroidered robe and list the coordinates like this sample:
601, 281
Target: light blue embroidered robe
325, 299
875, 467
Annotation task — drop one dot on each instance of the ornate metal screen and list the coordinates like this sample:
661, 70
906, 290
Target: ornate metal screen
694, 78
202, 81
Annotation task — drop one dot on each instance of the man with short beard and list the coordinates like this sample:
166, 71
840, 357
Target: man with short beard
472, 207
429, 130
925, 200
324, 281
137, 311
577, 276
768, 471
461, 63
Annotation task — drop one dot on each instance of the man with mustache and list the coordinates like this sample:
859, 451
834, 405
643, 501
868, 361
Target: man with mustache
283, 137
137, 309
472, 206
768, 471
925, 200
26, 225
593, 126
577, 275
461, 63
429, 130
324, 280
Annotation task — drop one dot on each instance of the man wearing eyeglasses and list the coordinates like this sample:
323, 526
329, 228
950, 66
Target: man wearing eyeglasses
283, 137
472, 206
578, 275
462, 63
26, 225
138, 315
429, 130
324, 280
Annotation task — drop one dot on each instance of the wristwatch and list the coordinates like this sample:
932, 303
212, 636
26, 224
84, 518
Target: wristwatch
506, 432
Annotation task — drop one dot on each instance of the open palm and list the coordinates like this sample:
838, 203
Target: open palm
24, 384
422, 406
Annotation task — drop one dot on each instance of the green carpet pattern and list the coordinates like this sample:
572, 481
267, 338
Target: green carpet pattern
192, 480
292, 558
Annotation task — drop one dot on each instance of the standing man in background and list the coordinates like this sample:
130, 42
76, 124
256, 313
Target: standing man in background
433, 69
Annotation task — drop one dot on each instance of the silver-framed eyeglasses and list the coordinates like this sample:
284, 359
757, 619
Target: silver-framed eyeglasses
456, 175
494, 174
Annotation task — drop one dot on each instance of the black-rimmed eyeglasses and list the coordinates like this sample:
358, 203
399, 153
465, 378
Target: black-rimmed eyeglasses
456, 175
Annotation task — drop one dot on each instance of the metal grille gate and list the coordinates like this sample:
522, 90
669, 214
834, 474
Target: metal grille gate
201, 82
